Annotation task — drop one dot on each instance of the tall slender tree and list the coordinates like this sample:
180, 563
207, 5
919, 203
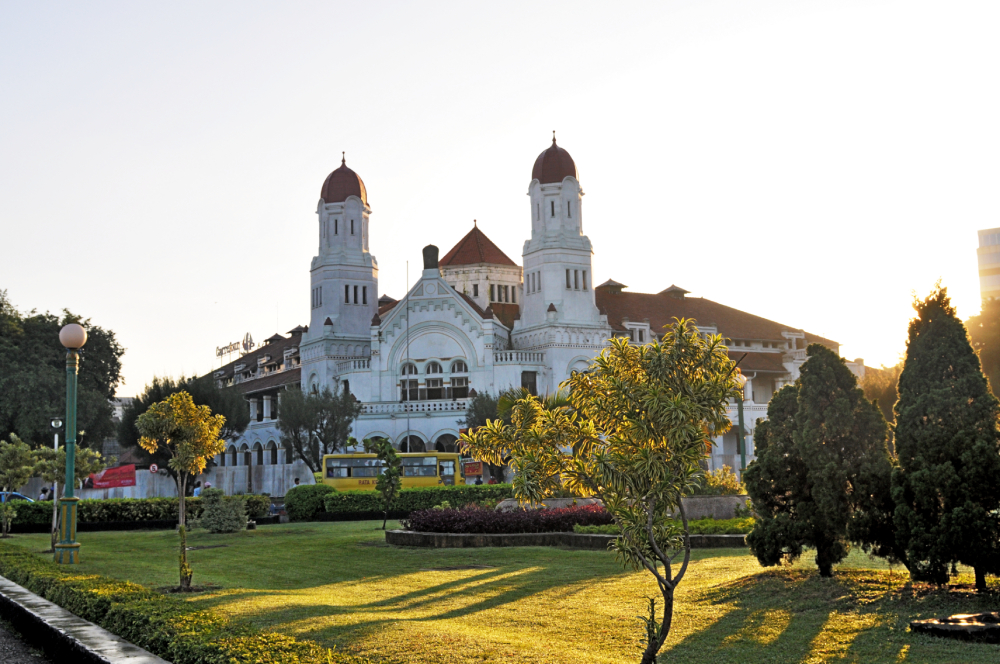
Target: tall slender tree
947, 485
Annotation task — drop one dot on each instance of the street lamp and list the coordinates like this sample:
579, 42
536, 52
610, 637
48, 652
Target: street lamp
73, 337
742, 434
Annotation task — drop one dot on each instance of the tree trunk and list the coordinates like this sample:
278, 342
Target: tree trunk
181, 488
653, 647
185, 569
980, 579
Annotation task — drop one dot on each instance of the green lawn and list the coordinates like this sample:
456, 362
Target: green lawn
339, 584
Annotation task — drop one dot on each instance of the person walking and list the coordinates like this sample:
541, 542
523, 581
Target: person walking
197, 489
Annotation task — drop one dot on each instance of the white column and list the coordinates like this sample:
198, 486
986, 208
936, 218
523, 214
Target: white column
267, 406
253, 409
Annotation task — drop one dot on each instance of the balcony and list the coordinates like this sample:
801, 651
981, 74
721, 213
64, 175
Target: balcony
403, 407
352, 366
518, 357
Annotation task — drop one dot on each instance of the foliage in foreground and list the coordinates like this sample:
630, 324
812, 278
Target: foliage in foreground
947, 485
480, 520
638, 426
221, 515
699, 527
361, 503
164, 625
93, 510
721, 482
390, 477
305, 501
822, 463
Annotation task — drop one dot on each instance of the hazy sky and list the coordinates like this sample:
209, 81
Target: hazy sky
810, 162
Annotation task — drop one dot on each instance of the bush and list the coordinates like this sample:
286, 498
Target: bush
480, 520
721, 482
700, 527
222, 515
356, 503
165, 625
304, 502
132, 509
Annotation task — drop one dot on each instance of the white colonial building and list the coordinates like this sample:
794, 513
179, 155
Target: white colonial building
476, 321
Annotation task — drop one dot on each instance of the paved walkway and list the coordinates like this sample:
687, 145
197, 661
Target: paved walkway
15, 651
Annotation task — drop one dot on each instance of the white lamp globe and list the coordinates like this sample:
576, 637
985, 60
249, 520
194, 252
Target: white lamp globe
73, 336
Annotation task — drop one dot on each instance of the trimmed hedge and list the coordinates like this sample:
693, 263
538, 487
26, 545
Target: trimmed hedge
362, 504
164, 625
475, 520
132, 509
305, 501
699, 527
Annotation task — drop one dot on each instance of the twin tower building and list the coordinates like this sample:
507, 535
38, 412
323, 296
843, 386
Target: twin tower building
474, 322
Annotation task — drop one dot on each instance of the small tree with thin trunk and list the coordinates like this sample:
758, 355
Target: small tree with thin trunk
390, 479
17, 465
51, 467
638, 425
190, 435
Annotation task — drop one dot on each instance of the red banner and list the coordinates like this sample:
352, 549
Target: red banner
113, 478
473, 468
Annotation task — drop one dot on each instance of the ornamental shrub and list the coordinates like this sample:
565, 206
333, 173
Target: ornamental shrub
221, 515
304, 502
479, 520
699, 527
165, 625
359, 503
92, 510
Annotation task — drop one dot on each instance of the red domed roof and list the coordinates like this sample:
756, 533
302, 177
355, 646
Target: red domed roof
553, 164
342, 183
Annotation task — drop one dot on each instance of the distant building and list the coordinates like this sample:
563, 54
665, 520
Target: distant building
476, 321
988, 254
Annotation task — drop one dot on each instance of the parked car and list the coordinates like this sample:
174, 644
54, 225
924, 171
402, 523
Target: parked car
13, 495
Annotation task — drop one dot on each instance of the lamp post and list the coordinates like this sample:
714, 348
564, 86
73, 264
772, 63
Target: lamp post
73, 337
741, 443
56, 423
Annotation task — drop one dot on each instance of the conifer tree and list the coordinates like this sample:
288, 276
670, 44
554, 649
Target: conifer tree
947, 485
819, 464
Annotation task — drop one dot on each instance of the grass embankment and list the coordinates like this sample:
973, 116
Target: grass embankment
339, 584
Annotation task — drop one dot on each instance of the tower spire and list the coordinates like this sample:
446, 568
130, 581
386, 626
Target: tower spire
553, 137
343, 155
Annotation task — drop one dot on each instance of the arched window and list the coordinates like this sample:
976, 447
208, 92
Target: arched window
288, 452
258, 451
412, 444
232, 456
446, 443
222, 459
459, 366
433, 368
246, 454
409, 370
272, 452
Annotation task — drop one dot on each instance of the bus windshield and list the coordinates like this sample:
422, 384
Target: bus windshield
420, 466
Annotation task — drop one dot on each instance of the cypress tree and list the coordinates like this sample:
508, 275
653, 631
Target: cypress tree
947, 485
822, 459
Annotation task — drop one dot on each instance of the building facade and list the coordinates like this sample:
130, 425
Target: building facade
477, 321
988, 257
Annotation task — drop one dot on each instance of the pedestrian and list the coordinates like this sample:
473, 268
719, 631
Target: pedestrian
493, 480
296, 481
44, 495
479, 480
197, 489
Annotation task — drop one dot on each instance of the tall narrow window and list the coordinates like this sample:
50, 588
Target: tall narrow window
347, 294
491, 293
475, 290
539, 280
576, 279
538, 210
583, 279
335, 227
569, 284
364, 295
506, 293
569, 209
513, 294
553, 204
355, 295
352, 227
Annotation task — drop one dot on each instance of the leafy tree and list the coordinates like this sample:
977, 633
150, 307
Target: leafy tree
51, 467
316, 424
821, 447
33, 374
17, 465
225, 401
947, 485
984, 333
721, 482
638, 425
190, 434
390, 479
481, 409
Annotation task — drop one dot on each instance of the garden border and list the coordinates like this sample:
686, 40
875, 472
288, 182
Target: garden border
571, 540
63, 635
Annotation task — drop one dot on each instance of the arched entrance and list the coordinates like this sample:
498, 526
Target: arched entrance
446, 442
412, 444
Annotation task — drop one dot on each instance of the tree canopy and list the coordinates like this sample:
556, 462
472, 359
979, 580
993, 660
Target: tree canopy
638, 425
316, 424
984, 333
33, 375
947, 485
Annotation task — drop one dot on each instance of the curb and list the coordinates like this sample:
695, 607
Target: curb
571, 540
64, 636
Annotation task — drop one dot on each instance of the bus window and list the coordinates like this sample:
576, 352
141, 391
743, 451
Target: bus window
419, 466
343, 468
447, 468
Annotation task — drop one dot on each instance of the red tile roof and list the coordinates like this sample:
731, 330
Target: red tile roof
275, 347
475, 248
662, 308
505, 312
760, 362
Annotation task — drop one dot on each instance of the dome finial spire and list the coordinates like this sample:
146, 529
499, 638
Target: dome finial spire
553, 137
475, 223
343, 158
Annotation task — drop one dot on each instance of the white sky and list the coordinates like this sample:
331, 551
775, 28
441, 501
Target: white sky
810, 162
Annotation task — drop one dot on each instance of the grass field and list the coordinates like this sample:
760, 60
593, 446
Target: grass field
339, 584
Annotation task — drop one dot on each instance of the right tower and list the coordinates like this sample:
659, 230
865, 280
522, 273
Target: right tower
557, 259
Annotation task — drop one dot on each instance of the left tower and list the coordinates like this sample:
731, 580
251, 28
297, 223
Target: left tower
343, 279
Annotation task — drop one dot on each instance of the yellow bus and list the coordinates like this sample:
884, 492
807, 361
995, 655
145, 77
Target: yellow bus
361, 471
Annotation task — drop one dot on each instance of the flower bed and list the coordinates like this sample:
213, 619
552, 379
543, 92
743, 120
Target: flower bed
344, 505
478, 520
164, 625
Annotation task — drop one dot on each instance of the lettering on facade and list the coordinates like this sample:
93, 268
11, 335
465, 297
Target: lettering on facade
241, 347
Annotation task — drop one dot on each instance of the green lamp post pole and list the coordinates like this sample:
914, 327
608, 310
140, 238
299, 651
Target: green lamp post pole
743, 438
73, 337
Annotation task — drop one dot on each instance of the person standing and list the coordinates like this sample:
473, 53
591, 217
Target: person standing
197, 489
